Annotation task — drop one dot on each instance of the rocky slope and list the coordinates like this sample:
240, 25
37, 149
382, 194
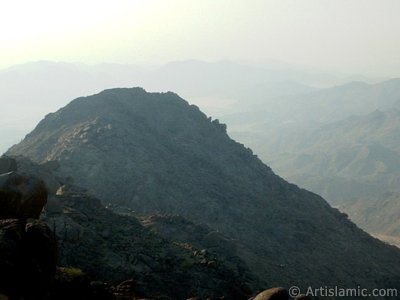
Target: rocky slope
152, 152
114, 248
96, 244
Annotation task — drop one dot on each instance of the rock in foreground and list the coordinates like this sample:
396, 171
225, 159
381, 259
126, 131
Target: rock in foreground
28, 258
21, 196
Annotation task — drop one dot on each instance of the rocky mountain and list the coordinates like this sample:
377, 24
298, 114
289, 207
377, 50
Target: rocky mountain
377, 215
154, 153
353, 158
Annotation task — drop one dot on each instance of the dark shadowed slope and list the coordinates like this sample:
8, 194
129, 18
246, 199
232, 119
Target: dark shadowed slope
152, 152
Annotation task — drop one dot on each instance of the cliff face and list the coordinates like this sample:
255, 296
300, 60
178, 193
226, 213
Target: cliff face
154, 153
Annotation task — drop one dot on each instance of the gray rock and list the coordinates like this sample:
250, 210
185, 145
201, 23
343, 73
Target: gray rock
21, 196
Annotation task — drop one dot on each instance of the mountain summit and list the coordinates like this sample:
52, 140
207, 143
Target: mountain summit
155, 153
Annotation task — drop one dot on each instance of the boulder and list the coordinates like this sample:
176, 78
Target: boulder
277, 293
7, 164
21, 196
28, 258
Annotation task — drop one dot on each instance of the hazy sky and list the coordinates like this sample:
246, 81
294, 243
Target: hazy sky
356, 36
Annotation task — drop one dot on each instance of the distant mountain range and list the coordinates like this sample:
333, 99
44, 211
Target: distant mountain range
145, 153
308, 111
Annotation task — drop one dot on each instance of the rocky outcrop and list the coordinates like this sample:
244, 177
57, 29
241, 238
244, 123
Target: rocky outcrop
7, 164
48, 172
206, 243
112, 248
21, 196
